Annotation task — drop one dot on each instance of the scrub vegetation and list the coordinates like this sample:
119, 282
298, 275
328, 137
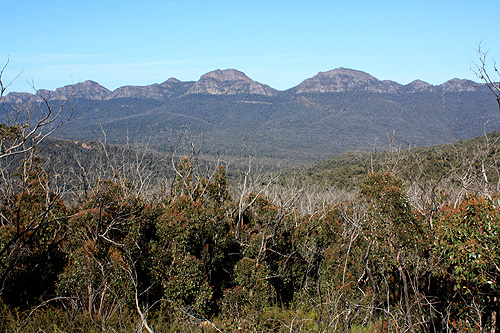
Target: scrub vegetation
398, 241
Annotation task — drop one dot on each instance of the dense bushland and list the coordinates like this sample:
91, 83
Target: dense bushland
406, 251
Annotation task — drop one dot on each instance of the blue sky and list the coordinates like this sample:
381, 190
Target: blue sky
279, 43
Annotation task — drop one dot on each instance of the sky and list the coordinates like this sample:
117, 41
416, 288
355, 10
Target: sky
50, 44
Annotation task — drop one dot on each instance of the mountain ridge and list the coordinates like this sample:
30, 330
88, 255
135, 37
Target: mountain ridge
234, 82
332, 112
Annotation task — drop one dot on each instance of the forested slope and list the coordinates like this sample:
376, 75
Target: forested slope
330, 113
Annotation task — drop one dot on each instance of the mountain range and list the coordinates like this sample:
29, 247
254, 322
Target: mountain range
331, 112
234, 82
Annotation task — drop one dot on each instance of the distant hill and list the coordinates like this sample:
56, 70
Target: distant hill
332, 112
430, 165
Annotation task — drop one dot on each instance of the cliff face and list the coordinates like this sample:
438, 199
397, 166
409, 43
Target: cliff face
234, 82
87, 90
345, 80
161, 92
230, 82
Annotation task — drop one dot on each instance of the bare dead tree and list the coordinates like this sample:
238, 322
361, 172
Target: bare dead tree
30, 123
482, 71
23, 129
5, 86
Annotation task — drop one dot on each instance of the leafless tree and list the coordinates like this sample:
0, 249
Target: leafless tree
482, 71
5, 86
23, 129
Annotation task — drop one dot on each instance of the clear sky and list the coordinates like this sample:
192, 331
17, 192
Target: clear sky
280, 43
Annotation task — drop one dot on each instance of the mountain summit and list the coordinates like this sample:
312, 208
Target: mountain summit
226, 75
88, 90
234, 82
161, 92
343, 80
230, 82
458, 85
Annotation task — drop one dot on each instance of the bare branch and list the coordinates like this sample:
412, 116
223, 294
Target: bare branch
484, 74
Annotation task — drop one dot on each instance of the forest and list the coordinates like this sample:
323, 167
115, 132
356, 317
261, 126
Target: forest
404, 240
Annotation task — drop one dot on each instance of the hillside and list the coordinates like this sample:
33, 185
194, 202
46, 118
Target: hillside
332, 112
432, 164
71, 160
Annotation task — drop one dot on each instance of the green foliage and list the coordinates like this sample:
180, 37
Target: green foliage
252, 277
196, 259
96, 275
468, 238
104, 232
12, 132
393, 226
390, 211
195, 249
33, 224
184, 285
398, 242
467, 241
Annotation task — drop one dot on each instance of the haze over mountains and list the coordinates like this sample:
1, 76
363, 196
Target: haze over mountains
334, 111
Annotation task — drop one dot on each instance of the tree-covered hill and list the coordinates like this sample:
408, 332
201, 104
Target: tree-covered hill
333, 112
433, 164
305, 127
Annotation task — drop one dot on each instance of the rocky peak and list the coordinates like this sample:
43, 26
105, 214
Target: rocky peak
230, 82
345, 79
172, 80
418, 86
152, 91
459, 85
233, 82
226, 75
87, 90
161, 92
17, 97
342, 73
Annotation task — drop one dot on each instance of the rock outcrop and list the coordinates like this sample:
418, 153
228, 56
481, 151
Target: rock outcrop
161, 92
459, 85
234, 82
419, 86
230, 82
344, 80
